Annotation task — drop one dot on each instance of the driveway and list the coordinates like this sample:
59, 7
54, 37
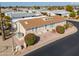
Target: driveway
67, 46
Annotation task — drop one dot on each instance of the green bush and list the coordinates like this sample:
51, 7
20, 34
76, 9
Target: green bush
69, 8
77, 17
72, 14
30, 39
66, 26
60, 29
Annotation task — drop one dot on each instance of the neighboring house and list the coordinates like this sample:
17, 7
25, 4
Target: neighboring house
60, 12
26, 18
57, 12
21, 14
76, 7
4, 10
38, 25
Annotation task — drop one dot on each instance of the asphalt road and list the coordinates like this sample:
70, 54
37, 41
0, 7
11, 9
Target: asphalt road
67, 46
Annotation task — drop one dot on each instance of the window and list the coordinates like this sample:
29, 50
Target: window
32, 29
51, 25
45, 26
19, 34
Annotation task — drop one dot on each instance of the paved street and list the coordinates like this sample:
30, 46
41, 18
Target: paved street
68, 46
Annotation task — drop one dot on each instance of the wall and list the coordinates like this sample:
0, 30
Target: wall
60, 23
38, 30
20, 29
49, 27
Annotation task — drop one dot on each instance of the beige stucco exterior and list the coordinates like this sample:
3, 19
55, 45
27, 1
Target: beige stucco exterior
20, 28
60, 23
37, 30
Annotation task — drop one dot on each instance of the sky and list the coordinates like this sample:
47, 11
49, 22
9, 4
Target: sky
38, 3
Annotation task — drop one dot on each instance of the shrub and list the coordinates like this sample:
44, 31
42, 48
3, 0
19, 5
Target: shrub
70, 24
66, 26
44, 13
78, 12
69, 8
72, 14
30, 39
60, 29
77, 17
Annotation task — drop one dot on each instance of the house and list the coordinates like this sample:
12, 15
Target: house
57, 12
21, 14
38, 25
14, 21
26, 18
76, 7
60, 12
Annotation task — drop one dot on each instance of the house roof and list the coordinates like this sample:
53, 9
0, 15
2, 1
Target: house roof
37, 22
60, 12
15, 20
20, 14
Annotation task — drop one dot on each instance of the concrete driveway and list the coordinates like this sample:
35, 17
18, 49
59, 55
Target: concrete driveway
67, 46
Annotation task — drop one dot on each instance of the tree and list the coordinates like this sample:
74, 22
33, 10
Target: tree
78, 12
7, 18
5, 23
72, 14
30, 39
36, 7
2, 25
60, 29
14, 8
69, 8
60, 7
49, 8
44, 13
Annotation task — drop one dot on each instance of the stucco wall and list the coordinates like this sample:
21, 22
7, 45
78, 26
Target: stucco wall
42, 29
20, 29
38, 30
60, 23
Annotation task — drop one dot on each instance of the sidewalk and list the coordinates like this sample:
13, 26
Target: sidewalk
47, 38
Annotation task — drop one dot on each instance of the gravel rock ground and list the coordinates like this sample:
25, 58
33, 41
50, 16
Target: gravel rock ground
6, 47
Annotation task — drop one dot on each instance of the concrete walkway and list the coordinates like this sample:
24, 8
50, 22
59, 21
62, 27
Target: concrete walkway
47, 38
